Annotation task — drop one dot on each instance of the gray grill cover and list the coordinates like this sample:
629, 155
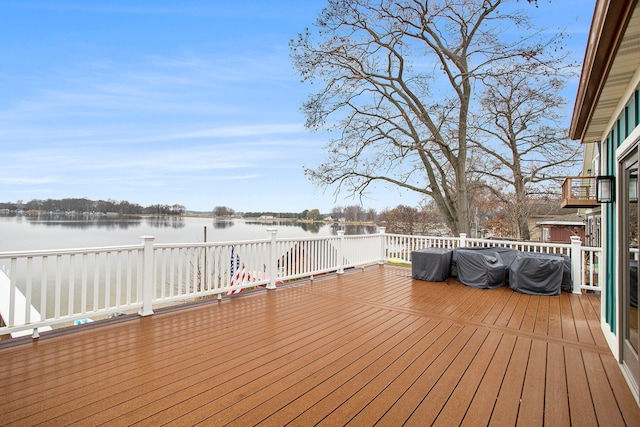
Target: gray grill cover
506, 254
536, 274
480, 269
432, 265
566, 268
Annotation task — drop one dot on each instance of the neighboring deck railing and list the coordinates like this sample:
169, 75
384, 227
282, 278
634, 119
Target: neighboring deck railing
579, 192
67, 286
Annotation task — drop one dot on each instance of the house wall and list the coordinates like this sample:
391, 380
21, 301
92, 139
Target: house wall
562, 234
621, 132
552, 233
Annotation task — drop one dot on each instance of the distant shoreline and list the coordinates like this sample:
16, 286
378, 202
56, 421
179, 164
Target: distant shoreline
198, 215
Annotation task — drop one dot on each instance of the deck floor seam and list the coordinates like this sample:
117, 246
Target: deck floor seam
464, 322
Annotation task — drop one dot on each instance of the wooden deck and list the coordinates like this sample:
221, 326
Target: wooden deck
368, 347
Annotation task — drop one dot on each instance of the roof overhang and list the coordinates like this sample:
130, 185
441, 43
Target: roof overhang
611, 59
563, 223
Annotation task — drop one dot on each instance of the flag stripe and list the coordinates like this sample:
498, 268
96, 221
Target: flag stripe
240, 275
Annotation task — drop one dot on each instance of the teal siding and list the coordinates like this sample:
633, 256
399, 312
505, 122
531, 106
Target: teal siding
626, 123
610, 164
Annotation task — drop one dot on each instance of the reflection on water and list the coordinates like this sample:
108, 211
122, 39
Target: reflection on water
317, 227
124, 223
59, 231
176, 222
309, 227
53, 220
221, 224
102, 221
354, 229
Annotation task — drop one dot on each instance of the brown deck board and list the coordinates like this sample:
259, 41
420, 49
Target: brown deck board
414, 392
497, 306
581, 405
580, 321
519, 312
604, 402
451, 413
349, 409
369, 346
554, 319
439, 394
506, 409
592, 316
567, 320
541, 322
348, 397
617, 383
531, 410
470, 309
307, 379
230, 384
556, 394
530, 314
390, 396
483, 403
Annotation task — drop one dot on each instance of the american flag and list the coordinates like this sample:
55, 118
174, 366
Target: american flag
237, 272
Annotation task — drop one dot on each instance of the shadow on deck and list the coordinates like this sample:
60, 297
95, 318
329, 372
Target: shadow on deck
370, 346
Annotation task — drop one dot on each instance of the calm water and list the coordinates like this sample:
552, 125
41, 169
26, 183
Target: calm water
19, 233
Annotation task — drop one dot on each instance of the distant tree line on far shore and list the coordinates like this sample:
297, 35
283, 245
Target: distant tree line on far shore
493, 219
122, 207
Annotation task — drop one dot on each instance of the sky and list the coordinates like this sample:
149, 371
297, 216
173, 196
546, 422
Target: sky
175, 102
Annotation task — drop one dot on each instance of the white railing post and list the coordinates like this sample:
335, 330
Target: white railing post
272, 265
340, 252
383, 246
576, 265
463, 240
147, 275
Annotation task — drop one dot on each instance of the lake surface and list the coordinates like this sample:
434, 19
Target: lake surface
20, 232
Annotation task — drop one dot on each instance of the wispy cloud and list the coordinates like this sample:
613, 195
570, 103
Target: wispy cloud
105, 7
188, 86
28, 180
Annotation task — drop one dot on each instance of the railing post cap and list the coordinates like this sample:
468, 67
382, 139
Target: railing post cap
147, 237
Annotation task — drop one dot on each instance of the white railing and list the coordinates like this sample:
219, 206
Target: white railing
590, 279
67, 286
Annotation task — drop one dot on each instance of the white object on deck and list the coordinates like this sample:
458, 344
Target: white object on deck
18, 307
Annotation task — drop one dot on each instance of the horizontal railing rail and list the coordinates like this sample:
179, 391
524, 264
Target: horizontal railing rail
63, 287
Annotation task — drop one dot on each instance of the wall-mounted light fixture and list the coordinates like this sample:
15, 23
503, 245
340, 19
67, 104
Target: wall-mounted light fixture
605, 189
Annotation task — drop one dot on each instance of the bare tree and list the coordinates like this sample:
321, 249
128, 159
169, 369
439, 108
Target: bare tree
353, 213
401, 219
523, 142
223, 211
409, 220
370, 215
337, 212
398, 83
